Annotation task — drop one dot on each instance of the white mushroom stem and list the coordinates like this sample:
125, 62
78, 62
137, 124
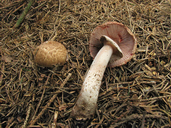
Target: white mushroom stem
87, 100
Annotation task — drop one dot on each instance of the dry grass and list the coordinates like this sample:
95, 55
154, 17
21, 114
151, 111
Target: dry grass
137, 94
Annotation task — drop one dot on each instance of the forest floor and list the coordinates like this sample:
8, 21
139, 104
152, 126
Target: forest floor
137, 94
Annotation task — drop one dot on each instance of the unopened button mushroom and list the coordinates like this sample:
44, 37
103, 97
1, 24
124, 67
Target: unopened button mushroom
111, 44
50, 53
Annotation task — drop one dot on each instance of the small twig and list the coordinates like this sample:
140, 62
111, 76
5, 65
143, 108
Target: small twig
28, 114
21, 18
2, 74
155, 98
100, 122
123, 114
66, 79
64, 82
40, 101
137, 116
54, 124
59, 6
119, 108
41, 113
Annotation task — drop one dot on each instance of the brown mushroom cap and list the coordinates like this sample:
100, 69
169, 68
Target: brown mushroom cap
50, 53
120, 34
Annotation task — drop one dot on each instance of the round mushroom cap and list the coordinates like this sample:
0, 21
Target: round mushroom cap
121, 35
50, 53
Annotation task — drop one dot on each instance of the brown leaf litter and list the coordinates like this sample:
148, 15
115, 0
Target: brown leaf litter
137, 94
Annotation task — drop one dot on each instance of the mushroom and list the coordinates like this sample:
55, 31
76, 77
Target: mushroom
111, 44
50, 53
